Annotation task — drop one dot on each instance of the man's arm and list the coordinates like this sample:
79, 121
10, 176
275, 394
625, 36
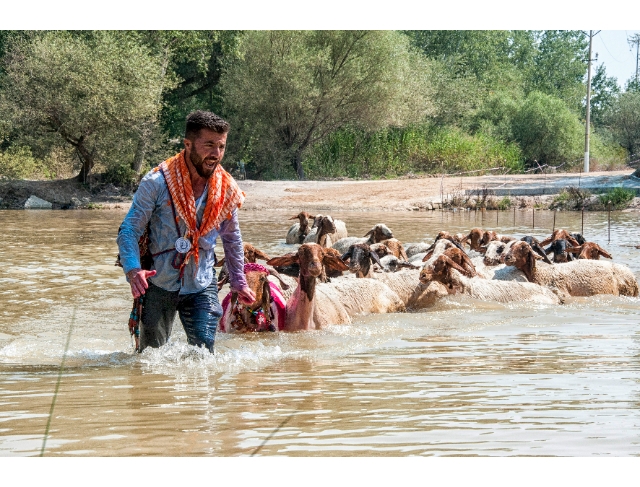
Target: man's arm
131, 230
234, 257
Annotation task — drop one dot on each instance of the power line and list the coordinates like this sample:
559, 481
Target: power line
605, 46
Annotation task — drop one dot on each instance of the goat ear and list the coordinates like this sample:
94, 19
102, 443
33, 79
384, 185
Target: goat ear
283, 285
467, 264
347, 255
571, 240
266, 296
604, 253
334, 262
531, 263
482, 250
285, 260
456, 244
374, 256
427, 256
541, 252
368, 234
451, 263
574, 250
220, 263
261, 255
546, 241
294, 217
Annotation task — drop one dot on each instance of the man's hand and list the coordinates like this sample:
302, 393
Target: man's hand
246, 295
138, 281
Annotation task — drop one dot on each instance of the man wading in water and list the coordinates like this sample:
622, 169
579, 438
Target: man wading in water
184, 204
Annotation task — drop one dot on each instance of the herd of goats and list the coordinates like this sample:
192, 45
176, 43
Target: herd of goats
306, 289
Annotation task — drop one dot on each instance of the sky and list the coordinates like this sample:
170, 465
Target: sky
615, 53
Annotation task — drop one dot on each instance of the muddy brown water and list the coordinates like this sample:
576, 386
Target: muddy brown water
463, 378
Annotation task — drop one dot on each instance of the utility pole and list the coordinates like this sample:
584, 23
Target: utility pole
588, 121
635, 39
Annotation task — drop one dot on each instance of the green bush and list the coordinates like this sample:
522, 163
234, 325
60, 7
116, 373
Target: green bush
619, 198
504, 203
606, 154
547, 131
121, 176
416, 149
18, 163
571, 198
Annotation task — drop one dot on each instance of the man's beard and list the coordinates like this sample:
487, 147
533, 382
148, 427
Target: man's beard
198, 163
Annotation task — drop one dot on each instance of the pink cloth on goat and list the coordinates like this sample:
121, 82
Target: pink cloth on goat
278, 304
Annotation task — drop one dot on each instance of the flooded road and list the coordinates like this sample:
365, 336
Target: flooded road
463, 378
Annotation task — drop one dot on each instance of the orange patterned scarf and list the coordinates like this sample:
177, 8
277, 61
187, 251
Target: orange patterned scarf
223, 196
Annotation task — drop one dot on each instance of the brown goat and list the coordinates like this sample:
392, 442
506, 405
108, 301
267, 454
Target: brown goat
444, 235
265, 313
310, 308
326, 226
378, 233
440, 271
391, 246
303, 229
251, 254
311, 258
327, 271
474, 238
557, 235
453, 254
590, 250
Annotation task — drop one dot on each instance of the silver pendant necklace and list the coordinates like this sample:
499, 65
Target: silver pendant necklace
183, 244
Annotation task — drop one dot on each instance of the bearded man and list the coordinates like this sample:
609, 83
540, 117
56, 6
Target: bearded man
183, 205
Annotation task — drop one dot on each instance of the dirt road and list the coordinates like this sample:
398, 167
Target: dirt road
406, 194
379, 195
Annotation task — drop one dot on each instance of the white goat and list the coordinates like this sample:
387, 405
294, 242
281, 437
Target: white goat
377, 234
577, 278
447, 272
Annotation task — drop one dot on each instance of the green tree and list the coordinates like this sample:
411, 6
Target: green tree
89, 91
560, 66
547, 131
604, 91
632, 85
196, 63
473, 66
483, 54
623, 119
290, 89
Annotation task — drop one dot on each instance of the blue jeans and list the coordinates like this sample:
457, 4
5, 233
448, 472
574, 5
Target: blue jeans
199, 314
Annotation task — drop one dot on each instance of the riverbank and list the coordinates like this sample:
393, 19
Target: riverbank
406, 194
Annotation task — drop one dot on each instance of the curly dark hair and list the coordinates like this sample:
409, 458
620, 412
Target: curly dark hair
201, 119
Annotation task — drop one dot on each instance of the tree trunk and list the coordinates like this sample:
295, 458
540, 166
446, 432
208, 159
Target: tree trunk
87, 160
297, 164
138, 158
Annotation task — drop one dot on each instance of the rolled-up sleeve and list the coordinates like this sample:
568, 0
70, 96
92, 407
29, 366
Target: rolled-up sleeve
233, 251
134, 224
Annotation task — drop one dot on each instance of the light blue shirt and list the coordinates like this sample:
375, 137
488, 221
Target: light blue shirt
152, 204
